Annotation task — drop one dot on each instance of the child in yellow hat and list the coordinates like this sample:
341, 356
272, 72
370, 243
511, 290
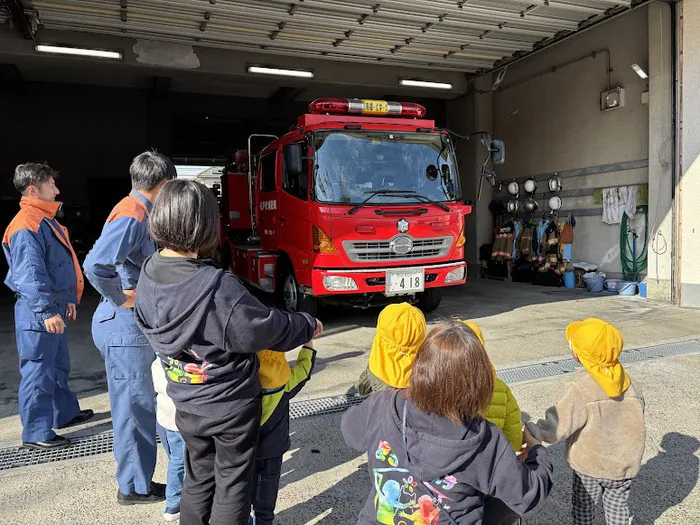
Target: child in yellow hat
600, 415
504, 412
400, 332
280, 383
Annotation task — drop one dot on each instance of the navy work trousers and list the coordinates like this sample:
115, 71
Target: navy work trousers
128, 358
45, 399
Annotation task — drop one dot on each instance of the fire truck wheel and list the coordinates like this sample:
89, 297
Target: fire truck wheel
294, 301
429, 300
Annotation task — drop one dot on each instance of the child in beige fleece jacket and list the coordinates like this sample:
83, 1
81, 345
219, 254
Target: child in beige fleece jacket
600, 415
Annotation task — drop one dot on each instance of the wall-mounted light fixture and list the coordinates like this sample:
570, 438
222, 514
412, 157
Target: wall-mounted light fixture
638, 69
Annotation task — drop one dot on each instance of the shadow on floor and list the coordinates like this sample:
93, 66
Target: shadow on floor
664, 482
341, 503
666, 479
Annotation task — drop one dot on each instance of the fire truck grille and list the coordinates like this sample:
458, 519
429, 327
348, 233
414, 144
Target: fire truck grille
367, 251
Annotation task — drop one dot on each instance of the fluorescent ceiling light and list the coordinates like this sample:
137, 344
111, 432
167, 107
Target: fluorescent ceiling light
77, 51
262, 70
637, 68
424, 84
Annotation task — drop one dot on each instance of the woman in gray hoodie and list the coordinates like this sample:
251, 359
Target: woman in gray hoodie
205, 328
432, 457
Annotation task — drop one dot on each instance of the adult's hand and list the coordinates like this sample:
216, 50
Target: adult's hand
319, 329
71, 312
55, 324
130, 298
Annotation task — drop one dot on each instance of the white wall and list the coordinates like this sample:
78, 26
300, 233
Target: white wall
554, 123
689, 190
661, 154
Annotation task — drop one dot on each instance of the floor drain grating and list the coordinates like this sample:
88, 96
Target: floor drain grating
563, 366
15, 457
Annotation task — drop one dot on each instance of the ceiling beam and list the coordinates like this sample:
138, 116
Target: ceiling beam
19, 18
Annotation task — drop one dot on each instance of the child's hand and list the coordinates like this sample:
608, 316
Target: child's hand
523, 452
529, 439
310, 344
319, 329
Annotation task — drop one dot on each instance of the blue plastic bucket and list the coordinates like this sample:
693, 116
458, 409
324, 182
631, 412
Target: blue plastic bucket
612, 284
569, 280
627, 288
594, 283
643, 289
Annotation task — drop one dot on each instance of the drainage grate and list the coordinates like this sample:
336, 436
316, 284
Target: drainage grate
16, 457
323, 406
563, 366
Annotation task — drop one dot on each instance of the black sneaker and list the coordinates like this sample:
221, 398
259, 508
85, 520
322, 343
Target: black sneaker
156, 495
82, 417
52, 444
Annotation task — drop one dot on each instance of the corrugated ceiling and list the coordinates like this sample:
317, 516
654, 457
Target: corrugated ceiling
463, 35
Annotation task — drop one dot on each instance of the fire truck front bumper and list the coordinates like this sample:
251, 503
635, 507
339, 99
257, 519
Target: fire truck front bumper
394, 281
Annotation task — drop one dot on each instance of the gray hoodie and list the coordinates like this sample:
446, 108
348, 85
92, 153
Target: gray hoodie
206, 327
460, 463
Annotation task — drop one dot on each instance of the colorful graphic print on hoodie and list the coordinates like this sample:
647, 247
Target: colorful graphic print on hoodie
400, 497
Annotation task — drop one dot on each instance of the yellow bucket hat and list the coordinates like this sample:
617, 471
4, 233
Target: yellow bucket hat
598, 345
400, 332
274, 369
475, 328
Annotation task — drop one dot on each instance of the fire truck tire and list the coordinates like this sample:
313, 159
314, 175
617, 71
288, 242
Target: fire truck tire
289, 297
429, 300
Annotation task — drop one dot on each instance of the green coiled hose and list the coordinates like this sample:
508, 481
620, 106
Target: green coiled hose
632, 266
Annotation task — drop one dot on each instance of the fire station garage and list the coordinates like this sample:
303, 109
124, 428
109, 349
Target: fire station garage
587, 96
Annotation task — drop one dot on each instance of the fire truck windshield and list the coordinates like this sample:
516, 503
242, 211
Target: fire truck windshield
350, 165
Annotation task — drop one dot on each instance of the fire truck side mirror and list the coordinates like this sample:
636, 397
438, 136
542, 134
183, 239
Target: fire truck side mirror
498, 152
293, 160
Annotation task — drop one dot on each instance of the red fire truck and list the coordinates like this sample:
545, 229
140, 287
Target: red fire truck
359, 204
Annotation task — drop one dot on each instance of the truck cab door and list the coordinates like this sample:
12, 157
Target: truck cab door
268, 201
294, 209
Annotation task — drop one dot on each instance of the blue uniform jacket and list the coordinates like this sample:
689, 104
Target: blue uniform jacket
44, 271
115, 261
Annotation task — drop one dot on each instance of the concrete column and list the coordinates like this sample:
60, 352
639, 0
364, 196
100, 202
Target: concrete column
688, 194
661, 152
483, 121
465, 115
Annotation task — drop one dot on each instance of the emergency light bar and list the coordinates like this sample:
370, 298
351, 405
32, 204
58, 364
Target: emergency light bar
356, 106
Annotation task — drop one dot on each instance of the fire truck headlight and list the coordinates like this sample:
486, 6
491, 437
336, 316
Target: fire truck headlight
336, 283
456, 275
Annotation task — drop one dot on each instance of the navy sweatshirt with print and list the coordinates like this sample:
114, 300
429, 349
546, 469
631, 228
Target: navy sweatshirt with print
459, 463
206, 327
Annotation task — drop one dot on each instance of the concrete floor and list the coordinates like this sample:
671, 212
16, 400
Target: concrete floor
323, 481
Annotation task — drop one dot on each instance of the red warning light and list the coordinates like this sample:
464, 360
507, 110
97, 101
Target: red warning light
367, 107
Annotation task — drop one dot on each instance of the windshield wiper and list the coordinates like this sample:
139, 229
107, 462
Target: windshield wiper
372, 194
430, 201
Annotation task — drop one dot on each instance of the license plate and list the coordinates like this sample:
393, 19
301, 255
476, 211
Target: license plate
399, 282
